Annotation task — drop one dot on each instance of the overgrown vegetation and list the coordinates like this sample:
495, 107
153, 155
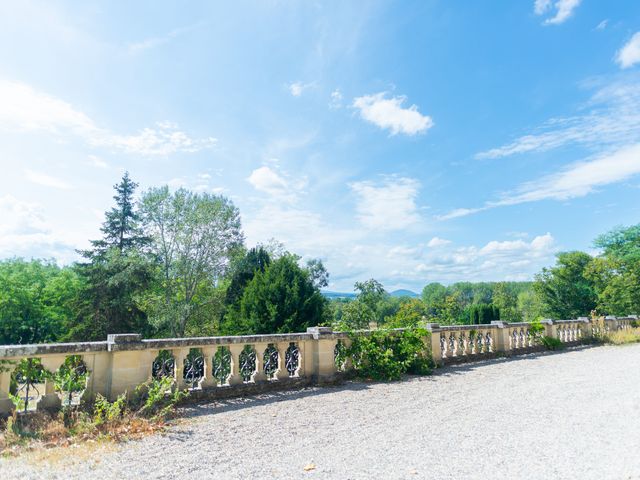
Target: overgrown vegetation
388, 354
147, 411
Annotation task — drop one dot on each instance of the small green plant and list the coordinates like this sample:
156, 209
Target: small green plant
105, 411
551, 343
157, 398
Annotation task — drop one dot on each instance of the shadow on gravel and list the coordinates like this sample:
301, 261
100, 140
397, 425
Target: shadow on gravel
233, 404
460, 368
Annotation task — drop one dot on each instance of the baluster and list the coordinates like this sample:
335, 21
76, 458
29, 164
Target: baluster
443, 346
488, 343
453, 345
236, 375
260, 375
282, 372
50, 399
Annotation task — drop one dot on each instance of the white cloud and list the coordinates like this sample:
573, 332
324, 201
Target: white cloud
297, 88
46, 180
613, 118
563, 10
438, 242
153, 42
25, 109
540, 245
629, 54
388, 113
390, 205
336, 99
25, 232
276, 183
602, 25
575, 180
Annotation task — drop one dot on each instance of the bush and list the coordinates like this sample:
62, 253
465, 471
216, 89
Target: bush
621, 337
551, 343
156, 399
388, 354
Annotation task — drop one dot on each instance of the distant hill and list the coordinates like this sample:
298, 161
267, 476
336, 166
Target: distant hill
395, 293
328, 294
404, 293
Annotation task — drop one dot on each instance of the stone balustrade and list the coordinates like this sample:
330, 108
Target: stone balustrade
229, 366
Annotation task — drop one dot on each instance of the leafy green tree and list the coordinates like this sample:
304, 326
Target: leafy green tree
564, 289
411, 314
318, 273
616, 273
193, 238
281, 299
506, 299
37, 299
355, 315
433, 294
256, 259
530, 305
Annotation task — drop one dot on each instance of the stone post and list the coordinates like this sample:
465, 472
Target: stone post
129, 366
324, 365
260, 376
436, 349
501, 340
550, 328
6, 405
236, 377
50, 399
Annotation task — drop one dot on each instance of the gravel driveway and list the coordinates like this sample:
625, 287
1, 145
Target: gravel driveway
570, 415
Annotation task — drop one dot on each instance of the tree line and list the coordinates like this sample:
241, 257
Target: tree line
170, 264
176, 264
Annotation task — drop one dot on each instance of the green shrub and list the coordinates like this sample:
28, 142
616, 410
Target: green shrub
105, 411
388, 354
156, 398
551, 343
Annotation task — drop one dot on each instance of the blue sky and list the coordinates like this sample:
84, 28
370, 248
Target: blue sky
406, 141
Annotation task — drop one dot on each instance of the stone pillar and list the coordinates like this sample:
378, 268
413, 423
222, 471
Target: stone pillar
434, 346
260, 376
324, 366
130, 364
50, 399
208, 354
180, 354
6, 405
501, 340
236, 377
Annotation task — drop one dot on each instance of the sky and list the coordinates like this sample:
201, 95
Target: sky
407, 141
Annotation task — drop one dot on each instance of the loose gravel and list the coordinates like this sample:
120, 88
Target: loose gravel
574, 414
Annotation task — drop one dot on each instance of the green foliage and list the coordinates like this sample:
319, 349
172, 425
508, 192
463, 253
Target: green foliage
411, 314
505, 298
193, 237
105, 411
71, 377
482, 313
564, 289
279, 300
551, 343
388, 354
157, 398
110, 299
37, 300
355, 315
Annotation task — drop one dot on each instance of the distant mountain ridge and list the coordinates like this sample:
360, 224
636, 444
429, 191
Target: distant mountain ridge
396, 293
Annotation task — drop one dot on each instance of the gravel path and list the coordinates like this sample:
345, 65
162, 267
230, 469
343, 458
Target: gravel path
570, 415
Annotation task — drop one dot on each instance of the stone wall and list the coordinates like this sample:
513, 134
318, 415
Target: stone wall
239, 365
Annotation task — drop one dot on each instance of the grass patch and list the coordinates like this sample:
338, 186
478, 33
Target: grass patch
147, 412
621, 337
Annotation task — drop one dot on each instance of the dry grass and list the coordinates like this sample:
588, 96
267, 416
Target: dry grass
631, 335
39, 430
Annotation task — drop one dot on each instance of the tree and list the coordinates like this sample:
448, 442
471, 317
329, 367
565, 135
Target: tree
256, 259
111, 297
433, 294
317, 272
371, 293
116, 274
506, 299
616, 273
193, 238
564, 289
410, 314
37, 299
121, 229
530, 305
280, 299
